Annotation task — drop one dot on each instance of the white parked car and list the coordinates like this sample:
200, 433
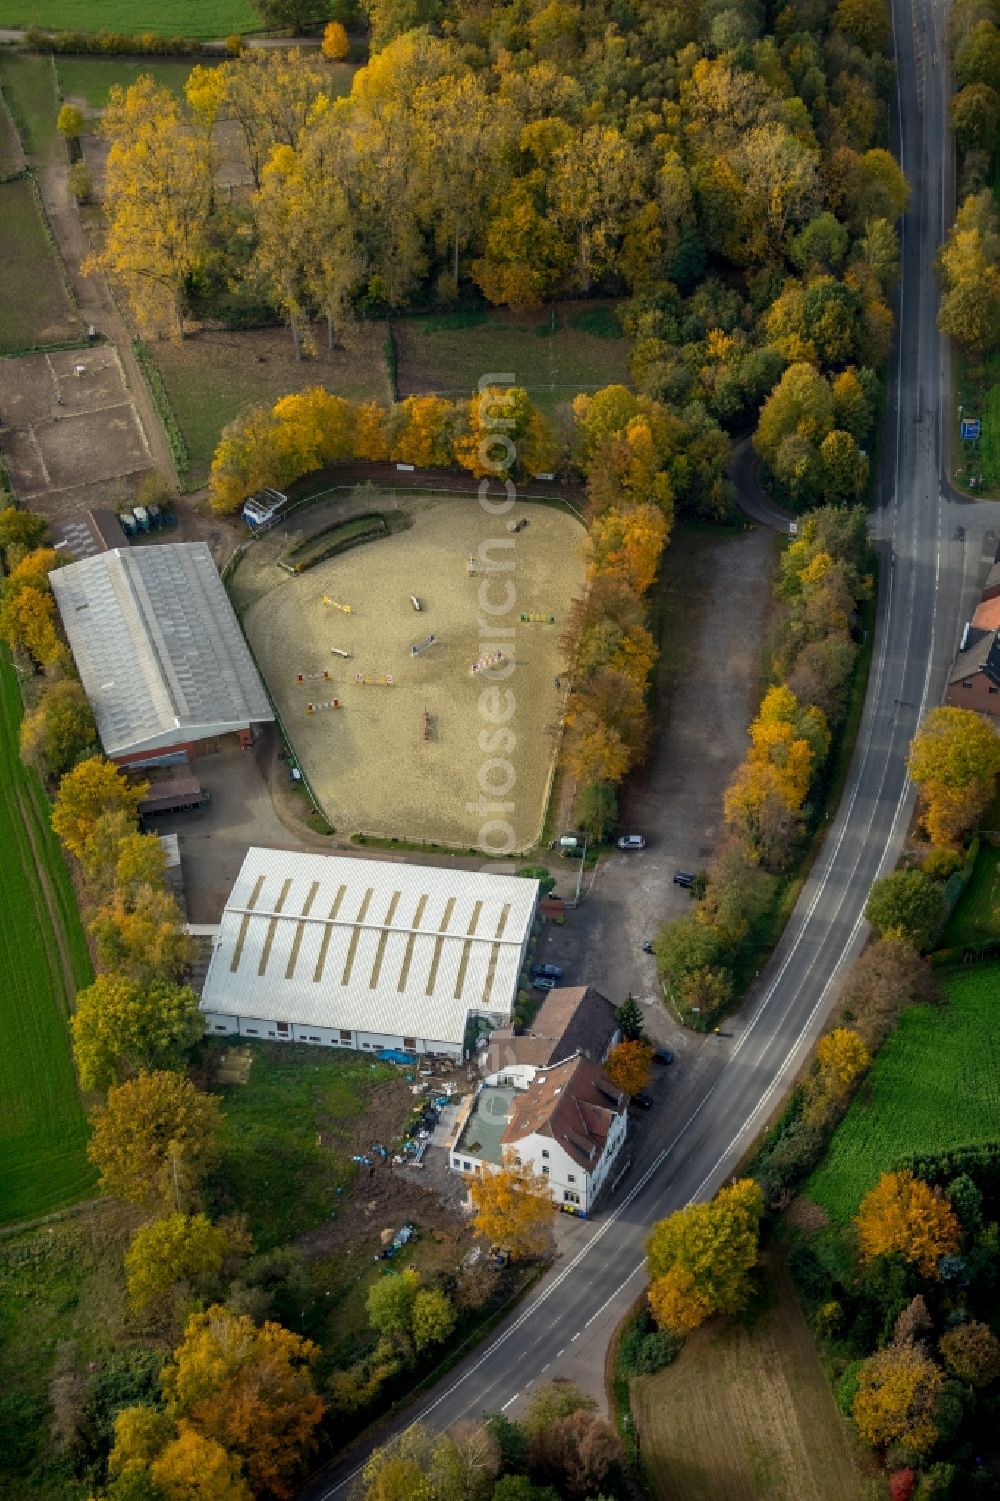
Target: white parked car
632, 842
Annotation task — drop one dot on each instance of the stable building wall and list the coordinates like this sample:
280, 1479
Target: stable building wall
218, 1024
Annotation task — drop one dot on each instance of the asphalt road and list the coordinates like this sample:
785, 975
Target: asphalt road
925, 537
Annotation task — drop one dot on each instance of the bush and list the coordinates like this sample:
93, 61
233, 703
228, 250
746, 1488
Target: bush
80, 182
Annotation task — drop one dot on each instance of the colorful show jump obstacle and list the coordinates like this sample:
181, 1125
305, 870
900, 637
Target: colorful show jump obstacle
336, 605
491, 659
331, 703
339, 652
381, 680
302, 677
419, 646
537, 617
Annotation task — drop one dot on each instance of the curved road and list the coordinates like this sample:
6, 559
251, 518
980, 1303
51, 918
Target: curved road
924, 535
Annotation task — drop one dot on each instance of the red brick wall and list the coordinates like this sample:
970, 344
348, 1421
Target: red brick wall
982, 696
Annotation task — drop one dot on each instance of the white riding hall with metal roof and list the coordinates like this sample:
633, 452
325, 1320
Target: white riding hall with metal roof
366, 953
158, 647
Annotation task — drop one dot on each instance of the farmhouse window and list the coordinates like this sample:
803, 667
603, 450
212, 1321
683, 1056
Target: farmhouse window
545, 1152
410, 1042
571, 1198
570, 1177
345, 1034
545, 1172
282, 1028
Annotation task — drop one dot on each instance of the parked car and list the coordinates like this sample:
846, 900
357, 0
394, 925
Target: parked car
647, 947
550, 971
643, 1100
683, 878
632, 842
662, 1055
543, 982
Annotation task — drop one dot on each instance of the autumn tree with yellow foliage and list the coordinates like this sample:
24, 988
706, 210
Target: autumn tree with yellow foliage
954, 762
902, 1216
91, 790
841, 1058
513, 1208
700, 1258
895, 1402
158, 188
629, 1065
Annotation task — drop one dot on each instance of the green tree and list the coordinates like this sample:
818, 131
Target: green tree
630, 1021
180, 1248
59, 731
977, 56
121, 1028
390, 1303
907, 904
866, 22
155, 1139
975, 116
20, 533
972, 1353
69, 122
433, 1317
597, 809
297, 16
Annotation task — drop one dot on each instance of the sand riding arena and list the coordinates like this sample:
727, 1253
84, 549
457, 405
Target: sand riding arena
410, 722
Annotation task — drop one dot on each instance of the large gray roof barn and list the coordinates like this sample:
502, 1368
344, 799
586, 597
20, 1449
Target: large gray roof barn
159, 650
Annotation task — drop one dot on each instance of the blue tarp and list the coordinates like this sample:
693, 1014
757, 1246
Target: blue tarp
394, 1055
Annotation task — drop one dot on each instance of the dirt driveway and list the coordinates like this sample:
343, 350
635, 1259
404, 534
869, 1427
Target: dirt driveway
718, 589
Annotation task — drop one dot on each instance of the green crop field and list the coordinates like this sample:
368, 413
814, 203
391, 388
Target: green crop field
935, 1085
554, 353
291, 1130
198, 18
34, 306
43, 1163
976, 918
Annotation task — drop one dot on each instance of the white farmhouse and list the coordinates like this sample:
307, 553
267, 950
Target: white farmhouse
569, 1126
364, 953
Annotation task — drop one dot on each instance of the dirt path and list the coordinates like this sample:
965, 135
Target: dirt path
96, 303
48, 896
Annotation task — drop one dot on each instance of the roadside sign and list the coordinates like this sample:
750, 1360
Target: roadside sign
971, 429
793, 528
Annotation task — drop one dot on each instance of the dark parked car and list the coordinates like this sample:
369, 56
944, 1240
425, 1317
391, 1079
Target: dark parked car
550, 971
662, 1055
643, 1100
683, 878
544, 982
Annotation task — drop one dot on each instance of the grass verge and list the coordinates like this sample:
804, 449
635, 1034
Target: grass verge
935, 1085
43, 1131
976, 918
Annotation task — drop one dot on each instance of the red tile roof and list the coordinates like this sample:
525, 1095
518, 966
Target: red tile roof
574, 1103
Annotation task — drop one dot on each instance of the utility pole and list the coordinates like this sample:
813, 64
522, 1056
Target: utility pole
579, 879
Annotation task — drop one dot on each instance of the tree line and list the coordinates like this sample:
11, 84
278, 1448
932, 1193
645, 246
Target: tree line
730, 185
771, 799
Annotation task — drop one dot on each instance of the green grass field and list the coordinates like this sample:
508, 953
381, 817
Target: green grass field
34, 306
200, 18
43, 1131
90, 78
273, 1166
935, 1085
976, 917
210, 377
554, 353
28, 83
